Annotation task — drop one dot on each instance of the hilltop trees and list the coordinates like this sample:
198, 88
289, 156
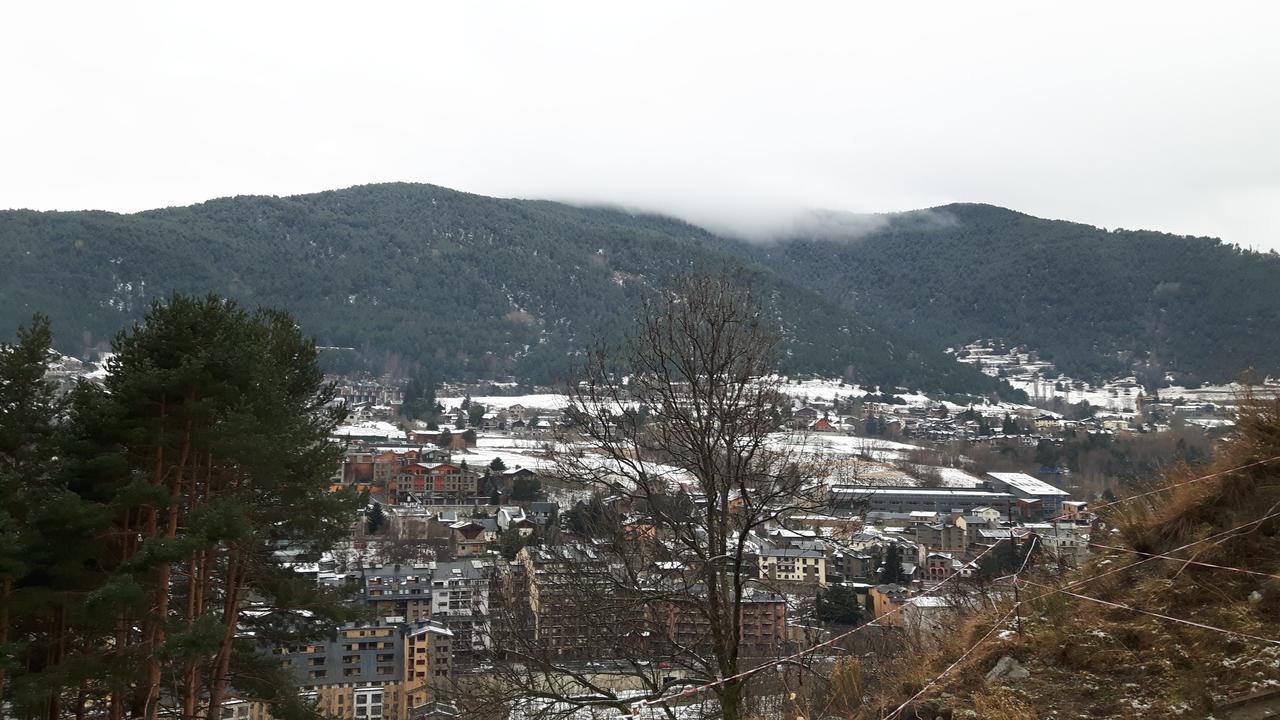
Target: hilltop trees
475, 287
178, 491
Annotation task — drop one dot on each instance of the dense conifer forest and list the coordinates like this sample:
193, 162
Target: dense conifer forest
1095, 302
472, 286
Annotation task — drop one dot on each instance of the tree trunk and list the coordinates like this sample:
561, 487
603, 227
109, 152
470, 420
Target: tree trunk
6, 587
151, 696
82, 699
231, 618
731, 704
164, 574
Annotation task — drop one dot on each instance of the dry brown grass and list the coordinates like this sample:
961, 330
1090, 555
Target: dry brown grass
1002, 703
1089, 660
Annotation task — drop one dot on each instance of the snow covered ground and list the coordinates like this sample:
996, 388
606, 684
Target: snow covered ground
820, 390
825, 391
1220, 394
835, 444
862, 460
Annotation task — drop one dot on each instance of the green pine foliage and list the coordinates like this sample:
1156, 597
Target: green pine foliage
892, 571
839, 604
526, 489
146, 533
414, 276
1095, 302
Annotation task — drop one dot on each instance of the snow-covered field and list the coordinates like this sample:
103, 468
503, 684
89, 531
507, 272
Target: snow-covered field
862, 460
825, 391
834, 444
1220, 394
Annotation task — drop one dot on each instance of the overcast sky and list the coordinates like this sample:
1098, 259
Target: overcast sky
733, 115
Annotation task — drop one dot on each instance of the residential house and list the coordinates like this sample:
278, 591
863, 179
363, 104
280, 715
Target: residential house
542, 512
822, 425
512, 519
442, 483
374, 671
938, 566
455, 594
793, 565
562, 585
929, 618
851, 565
887, 599
466, 539
804, 417
763, 629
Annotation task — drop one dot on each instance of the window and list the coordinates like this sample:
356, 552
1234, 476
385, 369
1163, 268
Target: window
368, 703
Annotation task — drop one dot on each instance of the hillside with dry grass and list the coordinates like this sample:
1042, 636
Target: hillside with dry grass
1123, 652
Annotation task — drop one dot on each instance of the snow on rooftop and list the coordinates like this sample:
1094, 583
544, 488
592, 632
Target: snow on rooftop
541, 401
948, 492
1027, 484
373, 428
931, 601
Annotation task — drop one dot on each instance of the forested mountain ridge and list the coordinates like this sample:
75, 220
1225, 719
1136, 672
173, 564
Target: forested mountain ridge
470, 286
476, 286
1095, 302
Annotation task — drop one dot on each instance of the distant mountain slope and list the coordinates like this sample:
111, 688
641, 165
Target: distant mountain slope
479, 286
1094, 301
470, 285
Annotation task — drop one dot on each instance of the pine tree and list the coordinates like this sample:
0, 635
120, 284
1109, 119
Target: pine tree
375, 517
42, 540
892, 571
511, 544
838, 604
181, 483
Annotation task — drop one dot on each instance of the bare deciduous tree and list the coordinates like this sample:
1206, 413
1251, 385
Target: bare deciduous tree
676, 429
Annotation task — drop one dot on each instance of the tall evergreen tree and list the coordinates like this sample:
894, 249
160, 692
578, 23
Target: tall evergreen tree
892, 571
184, 485
374, 518
39, 552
